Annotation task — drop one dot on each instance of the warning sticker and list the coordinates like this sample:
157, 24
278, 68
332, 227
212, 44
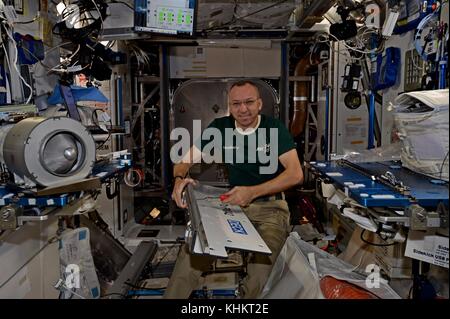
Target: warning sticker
428, 247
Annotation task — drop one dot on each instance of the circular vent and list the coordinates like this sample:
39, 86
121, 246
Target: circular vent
62, 154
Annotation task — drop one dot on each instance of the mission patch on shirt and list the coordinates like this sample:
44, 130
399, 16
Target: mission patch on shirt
251, 159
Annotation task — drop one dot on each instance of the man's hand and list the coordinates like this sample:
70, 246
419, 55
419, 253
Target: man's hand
178, 188
239, 195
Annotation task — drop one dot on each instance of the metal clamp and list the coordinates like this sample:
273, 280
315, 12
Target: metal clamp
8, 216
422, 219
398, 184
11, 217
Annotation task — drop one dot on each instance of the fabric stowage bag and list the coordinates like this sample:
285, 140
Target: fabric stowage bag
421, 119
294, 276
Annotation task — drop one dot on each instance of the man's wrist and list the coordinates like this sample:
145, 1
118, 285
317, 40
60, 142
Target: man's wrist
255, 191
178, 177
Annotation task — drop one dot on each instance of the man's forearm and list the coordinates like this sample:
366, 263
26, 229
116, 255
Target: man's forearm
181, 169
279, 184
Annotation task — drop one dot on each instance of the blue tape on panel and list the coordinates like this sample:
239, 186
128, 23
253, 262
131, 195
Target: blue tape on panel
237, 227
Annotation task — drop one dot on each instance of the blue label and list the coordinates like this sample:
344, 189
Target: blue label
82, 235
94, 292
237, 227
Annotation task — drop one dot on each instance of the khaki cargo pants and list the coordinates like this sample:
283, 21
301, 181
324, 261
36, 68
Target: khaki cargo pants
271, 220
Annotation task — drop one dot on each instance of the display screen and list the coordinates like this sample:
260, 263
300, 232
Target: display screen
172, 17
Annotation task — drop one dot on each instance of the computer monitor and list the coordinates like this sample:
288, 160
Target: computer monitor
171, 17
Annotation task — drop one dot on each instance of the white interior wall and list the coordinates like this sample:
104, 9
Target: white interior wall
356, 121
405, 42
29, 263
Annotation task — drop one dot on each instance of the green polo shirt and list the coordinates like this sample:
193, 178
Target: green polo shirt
251, 158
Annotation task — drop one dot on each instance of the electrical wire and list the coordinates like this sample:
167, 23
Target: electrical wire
354, 269
44, 246
101, 19
37, 59
377, 50
17, 70
343, 52
359, 41
235, 19
103, 143
442, 166
56, 47
65, 60
28, 22
260, 10
374, 244
49, 69
410, 291
94, 113
441, 171
111, 44
139, 53
415, 63
16, 55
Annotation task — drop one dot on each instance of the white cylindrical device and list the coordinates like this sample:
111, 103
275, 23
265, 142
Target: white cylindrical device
47, 151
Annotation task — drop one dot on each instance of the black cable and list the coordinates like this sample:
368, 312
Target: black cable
442, 166
111, 44
374, 244
94, 117
441, 171
164, 256
245, 16
37, 59
97, 124
260, 10
27, 22
104, 142
410, 290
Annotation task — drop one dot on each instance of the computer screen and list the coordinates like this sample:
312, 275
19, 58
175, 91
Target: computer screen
172, 17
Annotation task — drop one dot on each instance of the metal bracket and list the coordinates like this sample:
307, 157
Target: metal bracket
421, 219
22, 219
8, 216
197, 231
385, 216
